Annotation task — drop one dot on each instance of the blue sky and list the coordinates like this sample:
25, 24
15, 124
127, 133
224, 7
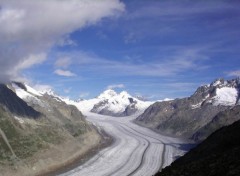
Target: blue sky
155, 48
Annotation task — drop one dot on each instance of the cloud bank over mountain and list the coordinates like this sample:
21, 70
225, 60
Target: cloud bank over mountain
29, 29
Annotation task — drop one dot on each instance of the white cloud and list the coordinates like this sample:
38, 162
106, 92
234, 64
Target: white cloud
84, 94
113, 86
64, 62
32, 60
42, 87
68, 90
66, 41
29, 28
66, 73
234, 73
179, 61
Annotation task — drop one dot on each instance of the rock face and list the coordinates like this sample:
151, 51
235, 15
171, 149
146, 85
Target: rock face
113, 104
33, 124
218, 155
221, 119
188, 116
14, 104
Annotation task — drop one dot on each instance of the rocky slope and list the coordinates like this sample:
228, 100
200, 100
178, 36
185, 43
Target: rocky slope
16, 105
188, 116
40, 132
111, 103
218, 155
223, 118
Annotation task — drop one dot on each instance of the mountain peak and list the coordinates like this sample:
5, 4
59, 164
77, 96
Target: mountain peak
112, 103
125, 94
107, 94
217, 82
48, 91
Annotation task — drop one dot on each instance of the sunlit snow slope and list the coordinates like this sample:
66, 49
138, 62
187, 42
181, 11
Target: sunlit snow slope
114, 104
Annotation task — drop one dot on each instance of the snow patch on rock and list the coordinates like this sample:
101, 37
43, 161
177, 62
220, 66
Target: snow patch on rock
20, 120
32, 91
226, 96
198, 105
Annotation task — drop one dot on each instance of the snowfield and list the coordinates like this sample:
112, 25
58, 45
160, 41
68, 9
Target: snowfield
226, 96
136, 150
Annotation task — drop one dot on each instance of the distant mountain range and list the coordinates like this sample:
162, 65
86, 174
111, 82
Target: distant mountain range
108, 102
113, 104
196, 116
193, 117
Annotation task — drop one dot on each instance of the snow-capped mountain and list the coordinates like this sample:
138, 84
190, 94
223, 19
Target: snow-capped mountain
30, 94
109, 102
25, 91
187, 117
219, 93
115, 104
54, 107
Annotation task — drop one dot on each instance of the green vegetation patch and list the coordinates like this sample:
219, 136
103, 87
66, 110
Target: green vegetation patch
75, 129
49, 134
24, 143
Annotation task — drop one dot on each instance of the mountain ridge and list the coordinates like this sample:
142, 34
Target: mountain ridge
184, 117
15, 104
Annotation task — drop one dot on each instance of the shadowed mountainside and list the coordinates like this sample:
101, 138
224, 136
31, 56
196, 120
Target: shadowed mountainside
218, 155
223, 118
15, 104
39, 132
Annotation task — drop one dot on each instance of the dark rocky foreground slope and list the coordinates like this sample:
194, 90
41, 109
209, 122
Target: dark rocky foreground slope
223, 118
40, 133
218, 155
196, 116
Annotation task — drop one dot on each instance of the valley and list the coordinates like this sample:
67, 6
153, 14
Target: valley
119, 88
136, 150
46, 134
